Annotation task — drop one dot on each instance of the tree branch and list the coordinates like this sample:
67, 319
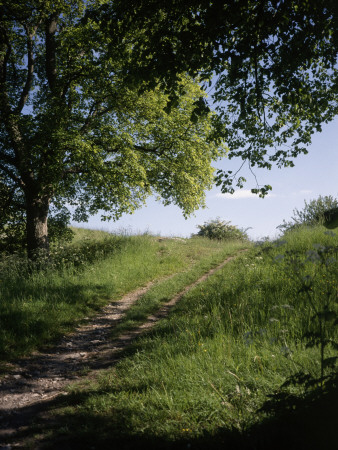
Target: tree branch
11, 202
7, 158
30, 72
6, 113
4, 42
50, 30
73, 170
156, 151
67, 82
94, 111
11, 175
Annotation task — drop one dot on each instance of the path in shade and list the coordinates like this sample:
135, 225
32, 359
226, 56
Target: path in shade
36, 380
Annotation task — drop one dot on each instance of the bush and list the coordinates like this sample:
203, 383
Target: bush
314, 213
222, 231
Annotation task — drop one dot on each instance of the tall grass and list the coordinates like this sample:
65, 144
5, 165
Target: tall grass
208, 369
38, 304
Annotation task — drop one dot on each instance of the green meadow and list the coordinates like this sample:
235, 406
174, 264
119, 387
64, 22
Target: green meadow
39, 304
245, 360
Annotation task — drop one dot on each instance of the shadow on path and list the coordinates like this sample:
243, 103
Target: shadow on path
311, 426
37, 381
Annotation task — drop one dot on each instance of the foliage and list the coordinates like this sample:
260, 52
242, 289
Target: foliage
221, 230
204, 373
12, 221
74, 133
58, 224
274, 86
312, 214
13, 230
315, 287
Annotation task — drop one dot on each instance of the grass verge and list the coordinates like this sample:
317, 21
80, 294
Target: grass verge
38, 306
165, 290
210, 375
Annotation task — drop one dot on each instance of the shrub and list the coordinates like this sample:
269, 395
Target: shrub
314, 213
222, 231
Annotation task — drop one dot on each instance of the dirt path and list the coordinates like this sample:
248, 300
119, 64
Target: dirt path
38, 379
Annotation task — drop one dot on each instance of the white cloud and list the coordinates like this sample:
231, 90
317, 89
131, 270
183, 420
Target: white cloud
302, 192
241, 194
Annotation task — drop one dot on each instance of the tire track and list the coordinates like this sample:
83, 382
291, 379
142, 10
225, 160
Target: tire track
36, 380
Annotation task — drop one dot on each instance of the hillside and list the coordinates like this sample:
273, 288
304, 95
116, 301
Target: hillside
244, 360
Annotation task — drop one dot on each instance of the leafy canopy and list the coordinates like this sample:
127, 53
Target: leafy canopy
274, 65
75, 131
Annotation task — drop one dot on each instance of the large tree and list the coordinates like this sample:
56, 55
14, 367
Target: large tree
77, 131
274, 64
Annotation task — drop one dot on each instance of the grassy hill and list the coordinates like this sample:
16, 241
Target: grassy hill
212, 374
41, 301
246, 360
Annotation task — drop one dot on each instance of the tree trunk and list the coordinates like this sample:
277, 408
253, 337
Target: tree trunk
36, 226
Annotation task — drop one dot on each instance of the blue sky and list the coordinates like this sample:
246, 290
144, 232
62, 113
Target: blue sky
313, 175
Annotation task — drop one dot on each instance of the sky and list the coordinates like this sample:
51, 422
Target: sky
314, 174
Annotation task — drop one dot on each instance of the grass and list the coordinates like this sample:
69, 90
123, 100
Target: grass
166, 289
210, 375
37, 306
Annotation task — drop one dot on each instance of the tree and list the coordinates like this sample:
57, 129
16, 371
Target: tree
75, 132
274, 64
